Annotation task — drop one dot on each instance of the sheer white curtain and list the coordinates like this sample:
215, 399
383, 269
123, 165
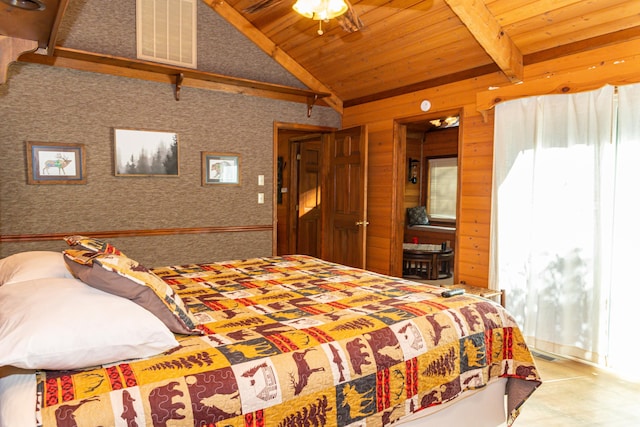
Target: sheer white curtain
625, 277
562, 219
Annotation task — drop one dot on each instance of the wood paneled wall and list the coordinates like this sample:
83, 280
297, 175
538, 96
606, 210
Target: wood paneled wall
414, 152
421, 145
382, 174
441, 143
617, 64
282, 208
474, 200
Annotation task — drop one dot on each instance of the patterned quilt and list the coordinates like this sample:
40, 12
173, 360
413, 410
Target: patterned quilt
297, 341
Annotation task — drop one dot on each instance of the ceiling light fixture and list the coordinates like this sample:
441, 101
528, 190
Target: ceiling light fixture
447, 122
26, 4
452, 121
320, 10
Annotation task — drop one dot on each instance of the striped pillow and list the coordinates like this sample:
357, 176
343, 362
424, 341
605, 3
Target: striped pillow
122, 276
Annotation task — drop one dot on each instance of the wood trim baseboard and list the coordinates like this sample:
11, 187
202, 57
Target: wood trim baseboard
135, 233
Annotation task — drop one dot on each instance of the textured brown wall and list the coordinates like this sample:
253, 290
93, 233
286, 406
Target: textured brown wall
41, 103
110, 27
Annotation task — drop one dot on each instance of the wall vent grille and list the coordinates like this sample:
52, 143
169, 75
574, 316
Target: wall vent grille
166, 31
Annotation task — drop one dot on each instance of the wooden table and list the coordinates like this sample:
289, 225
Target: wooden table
422, 260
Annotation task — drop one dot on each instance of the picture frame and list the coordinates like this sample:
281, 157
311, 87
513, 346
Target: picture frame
220, 168
146, 153
56, 163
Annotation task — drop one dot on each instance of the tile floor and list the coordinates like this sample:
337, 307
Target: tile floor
575, 394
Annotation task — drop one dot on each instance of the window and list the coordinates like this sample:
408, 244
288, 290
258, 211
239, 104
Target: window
442, 188
166, 31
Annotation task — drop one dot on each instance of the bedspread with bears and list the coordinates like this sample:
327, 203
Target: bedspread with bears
297, 341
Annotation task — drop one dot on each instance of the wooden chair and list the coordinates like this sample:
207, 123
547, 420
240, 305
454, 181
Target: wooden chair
444, 262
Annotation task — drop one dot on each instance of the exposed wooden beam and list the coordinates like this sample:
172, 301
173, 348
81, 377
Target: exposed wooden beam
425, 84
533, 58
270, 48
179, 76
602, 71
53, 36
585, 45
10, 49
475, 15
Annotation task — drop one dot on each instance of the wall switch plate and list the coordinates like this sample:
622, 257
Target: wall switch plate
260, 179
260, 198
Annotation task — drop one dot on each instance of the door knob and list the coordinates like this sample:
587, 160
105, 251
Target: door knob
362, 222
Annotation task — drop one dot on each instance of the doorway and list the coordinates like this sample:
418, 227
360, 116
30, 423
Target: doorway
321, 192
299, 154
427, 143
305, 212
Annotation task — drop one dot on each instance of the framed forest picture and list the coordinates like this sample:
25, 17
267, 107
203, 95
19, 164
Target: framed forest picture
145, 153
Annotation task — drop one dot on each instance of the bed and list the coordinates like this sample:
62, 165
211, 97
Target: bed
274, 341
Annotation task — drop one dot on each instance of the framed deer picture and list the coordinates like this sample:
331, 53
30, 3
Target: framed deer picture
55, 163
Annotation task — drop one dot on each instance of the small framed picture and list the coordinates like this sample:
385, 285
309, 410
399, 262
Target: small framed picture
220, 168
145, 153
55, 163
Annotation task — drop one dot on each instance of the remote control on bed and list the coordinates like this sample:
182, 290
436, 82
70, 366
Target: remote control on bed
452, 292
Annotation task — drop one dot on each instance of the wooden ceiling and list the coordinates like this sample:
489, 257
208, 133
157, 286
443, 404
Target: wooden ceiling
411, 44
408, 45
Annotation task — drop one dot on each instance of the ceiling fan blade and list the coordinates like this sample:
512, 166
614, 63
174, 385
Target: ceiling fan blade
350, 21
260, 5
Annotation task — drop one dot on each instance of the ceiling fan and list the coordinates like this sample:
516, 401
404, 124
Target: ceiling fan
346, 16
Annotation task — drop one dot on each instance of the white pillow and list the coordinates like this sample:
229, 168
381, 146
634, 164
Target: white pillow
17, 397
32, 265
62, 323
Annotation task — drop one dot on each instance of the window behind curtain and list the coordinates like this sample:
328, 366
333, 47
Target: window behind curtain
442, 188
564, 231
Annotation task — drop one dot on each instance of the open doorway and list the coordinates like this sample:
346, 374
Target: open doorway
321, 192
305, 195
299, 154
430, 196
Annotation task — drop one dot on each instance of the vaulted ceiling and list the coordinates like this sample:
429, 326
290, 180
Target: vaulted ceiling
404, 45
410, 44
